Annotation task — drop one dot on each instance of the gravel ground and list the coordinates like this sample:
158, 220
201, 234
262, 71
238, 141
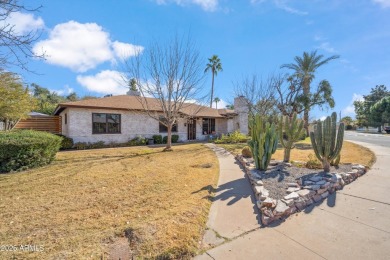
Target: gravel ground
276, 178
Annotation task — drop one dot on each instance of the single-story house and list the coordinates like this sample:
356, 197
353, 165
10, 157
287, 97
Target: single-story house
121, 118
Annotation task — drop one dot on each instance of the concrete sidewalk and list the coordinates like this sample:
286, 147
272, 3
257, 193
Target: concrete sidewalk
353, 223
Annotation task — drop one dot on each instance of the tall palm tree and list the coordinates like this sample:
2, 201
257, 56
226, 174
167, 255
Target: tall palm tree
305, 68
215, 66
216, 100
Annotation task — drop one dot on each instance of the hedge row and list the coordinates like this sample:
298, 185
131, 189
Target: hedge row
24, 149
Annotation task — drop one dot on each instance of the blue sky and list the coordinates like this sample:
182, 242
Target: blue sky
84, 39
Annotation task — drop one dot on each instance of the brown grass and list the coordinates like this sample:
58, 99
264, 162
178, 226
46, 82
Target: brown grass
87, 198
350, 153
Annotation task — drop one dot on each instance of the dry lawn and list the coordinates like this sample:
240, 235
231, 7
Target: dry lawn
350, 153
78, 205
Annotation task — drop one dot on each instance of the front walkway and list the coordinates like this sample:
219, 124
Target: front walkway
353, 224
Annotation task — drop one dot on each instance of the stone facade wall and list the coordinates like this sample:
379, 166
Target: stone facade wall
133, 124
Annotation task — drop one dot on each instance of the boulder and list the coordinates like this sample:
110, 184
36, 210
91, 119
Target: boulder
292, 189
305, 193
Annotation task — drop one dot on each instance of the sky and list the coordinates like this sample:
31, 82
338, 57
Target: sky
84, 41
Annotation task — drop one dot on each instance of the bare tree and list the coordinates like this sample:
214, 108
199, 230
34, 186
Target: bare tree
15, 47
169, 78
259, 94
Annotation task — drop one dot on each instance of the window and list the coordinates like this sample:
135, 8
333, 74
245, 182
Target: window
66, 119
163, 129
208, 126
106, 123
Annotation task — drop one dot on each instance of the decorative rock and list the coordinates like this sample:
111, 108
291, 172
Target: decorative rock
326, 185
266, 220
305, 193
281, 208
292, 210
288, 202
264, 194
316, 178
358, 166
321, 191
307, 183
288, 164
292, 195
259, 204
292, 189
259, 183
258, 189
342, 182
292, 184
312, 187
334, 179
317, 198
325, 194
268, 202
320, 182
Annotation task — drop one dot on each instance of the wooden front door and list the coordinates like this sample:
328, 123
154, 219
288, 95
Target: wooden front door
191, 129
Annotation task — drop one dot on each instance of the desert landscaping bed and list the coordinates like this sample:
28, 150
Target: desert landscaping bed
93, 203
283, 197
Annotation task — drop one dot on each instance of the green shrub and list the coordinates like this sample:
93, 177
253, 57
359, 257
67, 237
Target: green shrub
165, 139
157, 139
303, 135
81, 145
175, 138
67, 142
235, 137
137, 141
246, 152
96, 145
25, 149
349, 127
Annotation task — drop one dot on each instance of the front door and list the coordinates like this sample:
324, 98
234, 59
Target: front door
191, 129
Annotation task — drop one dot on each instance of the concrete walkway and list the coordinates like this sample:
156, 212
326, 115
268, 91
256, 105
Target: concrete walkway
353, 223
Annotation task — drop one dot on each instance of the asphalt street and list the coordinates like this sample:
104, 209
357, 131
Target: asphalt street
376, 139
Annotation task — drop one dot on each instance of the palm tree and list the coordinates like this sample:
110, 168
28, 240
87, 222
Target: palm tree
215, 66
216, 100
304, 68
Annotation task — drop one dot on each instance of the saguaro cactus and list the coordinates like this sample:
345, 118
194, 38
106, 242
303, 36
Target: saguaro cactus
264, 141
326, 144
292, 128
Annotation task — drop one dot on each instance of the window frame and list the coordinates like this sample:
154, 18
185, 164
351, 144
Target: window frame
161, 125
105, 133
209, 124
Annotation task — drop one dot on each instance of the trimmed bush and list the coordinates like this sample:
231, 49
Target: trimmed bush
165, 139
246, 152
67, 142
25, 149
157, 139
81, 146
137, 141
349, 127
175, 138
235, 137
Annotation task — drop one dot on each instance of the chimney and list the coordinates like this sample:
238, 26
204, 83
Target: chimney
241, 108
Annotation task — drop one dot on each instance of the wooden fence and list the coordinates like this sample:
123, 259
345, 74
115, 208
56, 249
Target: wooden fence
50, 124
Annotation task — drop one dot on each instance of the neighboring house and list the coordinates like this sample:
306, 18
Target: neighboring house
118, 119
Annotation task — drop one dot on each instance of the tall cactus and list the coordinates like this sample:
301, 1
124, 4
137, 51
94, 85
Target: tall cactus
264, 141
326, 144
293, 129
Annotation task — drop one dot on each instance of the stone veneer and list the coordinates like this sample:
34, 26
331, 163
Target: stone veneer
301, 193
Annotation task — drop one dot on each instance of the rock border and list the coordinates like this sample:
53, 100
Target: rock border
301, 193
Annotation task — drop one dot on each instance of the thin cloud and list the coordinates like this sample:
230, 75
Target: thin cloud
206, 5
350, 109
382, 3
283, 5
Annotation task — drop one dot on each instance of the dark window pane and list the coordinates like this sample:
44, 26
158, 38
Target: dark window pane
106, 123
208, 125
163, 128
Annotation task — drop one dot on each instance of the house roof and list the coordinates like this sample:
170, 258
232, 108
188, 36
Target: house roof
126, 102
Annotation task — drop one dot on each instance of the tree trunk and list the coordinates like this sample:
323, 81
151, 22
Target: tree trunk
168, 147
306, 92
287, 153
326, 165
212, 90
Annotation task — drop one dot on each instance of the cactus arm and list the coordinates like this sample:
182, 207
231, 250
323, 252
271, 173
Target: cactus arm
339, 142
316, 146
